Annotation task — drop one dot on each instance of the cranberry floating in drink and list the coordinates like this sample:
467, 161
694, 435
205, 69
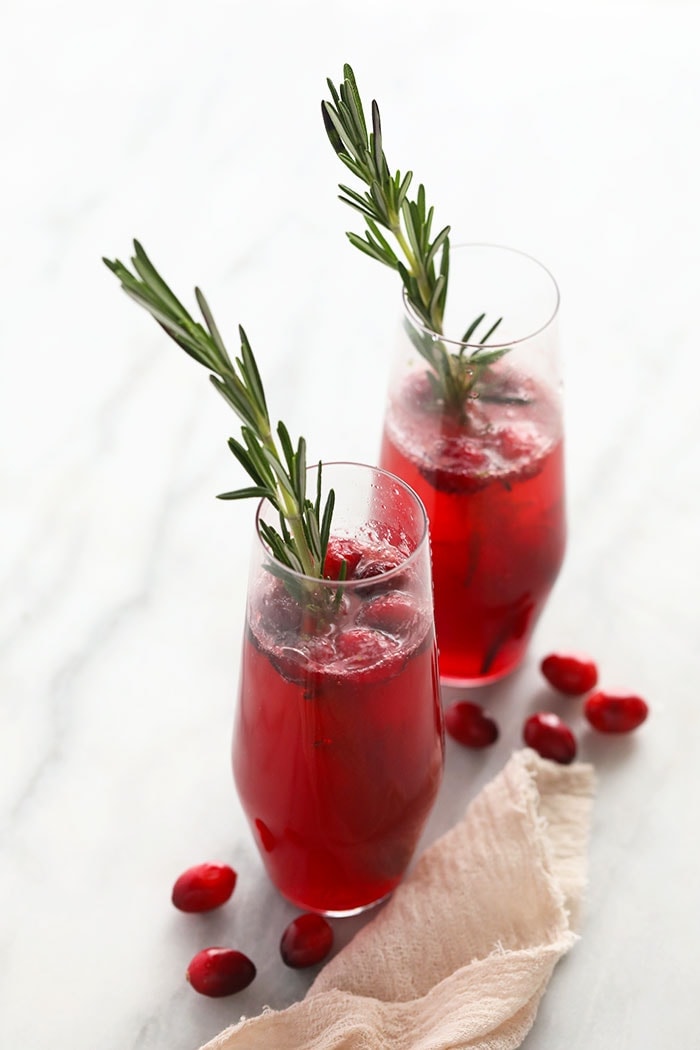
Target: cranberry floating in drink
473, 420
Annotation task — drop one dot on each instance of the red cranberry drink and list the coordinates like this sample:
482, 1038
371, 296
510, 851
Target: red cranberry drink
474, 424
338, 745
493, 487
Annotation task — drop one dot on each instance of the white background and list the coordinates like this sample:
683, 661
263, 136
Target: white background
568, 130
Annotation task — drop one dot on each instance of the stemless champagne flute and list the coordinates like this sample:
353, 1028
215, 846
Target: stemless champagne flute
338, 746
338, 738
487, 462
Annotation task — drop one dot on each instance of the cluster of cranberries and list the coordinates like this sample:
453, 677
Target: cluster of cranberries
573, 675
308, 939
220, 971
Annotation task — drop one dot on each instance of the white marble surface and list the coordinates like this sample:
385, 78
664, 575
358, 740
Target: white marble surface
568, 130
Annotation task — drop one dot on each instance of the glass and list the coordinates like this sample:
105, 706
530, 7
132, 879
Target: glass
490, 473
338, 740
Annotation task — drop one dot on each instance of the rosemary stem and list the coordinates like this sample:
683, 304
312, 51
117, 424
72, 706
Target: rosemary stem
425, 265
277, 472
291, 511
295, 526
415, 267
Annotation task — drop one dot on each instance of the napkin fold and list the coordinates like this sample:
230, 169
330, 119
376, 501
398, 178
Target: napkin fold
461, 955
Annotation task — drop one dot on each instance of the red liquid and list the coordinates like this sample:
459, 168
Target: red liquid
338, 751
493, 489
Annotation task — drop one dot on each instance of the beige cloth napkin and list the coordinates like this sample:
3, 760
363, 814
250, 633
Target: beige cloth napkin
461, 955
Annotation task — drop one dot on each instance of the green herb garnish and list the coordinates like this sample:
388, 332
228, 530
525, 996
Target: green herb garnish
277, 468
423, 261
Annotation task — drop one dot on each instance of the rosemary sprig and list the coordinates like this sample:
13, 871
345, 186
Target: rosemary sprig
422, 261
277, 468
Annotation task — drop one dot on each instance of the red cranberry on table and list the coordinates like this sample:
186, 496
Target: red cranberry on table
615, 712
570, 673
220, 971
203, 887
551, 738
469, 725
307, 940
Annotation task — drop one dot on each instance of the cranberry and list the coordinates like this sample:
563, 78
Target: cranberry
220, 971
368, 656
456, 465
204, 887
372, 571
358, 646
468, 724
306, 941
341, 550
615, 712
550, 737
570, 673
393, 613
513, 445
303, 664
369, 567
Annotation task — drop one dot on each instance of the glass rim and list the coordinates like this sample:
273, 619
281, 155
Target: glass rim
371, 580
419, 323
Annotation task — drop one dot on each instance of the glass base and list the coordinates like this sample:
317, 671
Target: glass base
344, 913
459, 682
